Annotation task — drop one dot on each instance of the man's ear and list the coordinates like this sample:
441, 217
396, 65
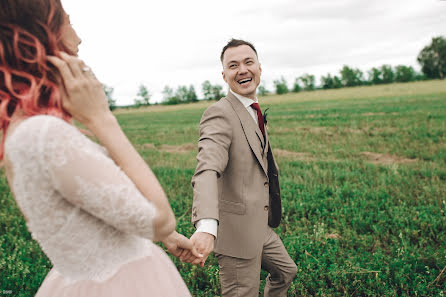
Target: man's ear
223, 75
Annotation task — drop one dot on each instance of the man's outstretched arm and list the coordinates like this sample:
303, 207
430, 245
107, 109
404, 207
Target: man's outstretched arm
213, 155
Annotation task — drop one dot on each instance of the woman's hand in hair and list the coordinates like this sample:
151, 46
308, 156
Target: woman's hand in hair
82, 94
85, 100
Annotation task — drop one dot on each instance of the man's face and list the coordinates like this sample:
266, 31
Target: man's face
241, 70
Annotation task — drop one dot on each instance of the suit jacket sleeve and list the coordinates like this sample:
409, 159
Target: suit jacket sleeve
213, 151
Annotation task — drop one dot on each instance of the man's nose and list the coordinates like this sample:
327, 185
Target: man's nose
243, 68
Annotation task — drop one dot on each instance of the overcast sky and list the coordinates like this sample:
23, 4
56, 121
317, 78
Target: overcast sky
178, 42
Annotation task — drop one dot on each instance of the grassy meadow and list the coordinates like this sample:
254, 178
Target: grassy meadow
363, 179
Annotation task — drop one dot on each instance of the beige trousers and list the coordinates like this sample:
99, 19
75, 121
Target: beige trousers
241, 277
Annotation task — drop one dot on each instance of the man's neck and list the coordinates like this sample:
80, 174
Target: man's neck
241, 96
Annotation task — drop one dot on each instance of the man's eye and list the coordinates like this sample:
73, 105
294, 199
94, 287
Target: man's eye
232, 66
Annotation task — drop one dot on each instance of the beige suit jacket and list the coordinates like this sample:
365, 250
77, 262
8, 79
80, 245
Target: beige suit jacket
231, 181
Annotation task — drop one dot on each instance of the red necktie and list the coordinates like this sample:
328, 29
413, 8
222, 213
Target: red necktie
259, 117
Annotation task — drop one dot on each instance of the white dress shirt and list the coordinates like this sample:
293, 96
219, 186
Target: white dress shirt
211, 225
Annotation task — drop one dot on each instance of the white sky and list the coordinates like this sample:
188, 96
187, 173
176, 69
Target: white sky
178, 42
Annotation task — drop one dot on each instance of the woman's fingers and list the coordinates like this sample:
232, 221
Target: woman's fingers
70, 67
85, 98
188, 258
75, 64
191, 256
197, 261
184, 255
63, 68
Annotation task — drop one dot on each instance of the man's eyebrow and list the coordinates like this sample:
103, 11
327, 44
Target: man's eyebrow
245, 59
232, 61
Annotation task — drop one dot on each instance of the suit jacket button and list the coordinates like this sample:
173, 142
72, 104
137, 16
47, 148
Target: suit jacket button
266, 208
266, 184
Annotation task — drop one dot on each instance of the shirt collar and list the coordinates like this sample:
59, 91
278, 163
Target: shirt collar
244, 100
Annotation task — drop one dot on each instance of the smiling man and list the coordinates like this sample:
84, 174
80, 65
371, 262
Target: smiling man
236, 188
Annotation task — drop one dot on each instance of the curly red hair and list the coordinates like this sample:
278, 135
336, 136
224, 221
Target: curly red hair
30, 30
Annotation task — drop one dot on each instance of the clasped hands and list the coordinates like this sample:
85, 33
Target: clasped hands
195, 250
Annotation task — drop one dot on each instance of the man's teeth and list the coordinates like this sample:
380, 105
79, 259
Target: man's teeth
242, 81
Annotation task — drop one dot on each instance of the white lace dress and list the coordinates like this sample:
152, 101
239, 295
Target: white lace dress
86, 214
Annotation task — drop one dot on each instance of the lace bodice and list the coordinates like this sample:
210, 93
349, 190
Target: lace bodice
86, 214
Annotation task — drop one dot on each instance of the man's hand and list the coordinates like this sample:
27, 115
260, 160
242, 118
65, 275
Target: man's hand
204, 243
177, 244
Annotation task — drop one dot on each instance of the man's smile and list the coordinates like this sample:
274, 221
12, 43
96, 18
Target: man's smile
244, 80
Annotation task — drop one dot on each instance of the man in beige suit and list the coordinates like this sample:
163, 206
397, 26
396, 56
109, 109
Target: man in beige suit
236, 190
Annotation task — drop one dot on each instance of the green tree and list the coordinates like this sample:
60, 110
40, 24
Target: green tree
307, 82
420, 76
327, 82
211, 92
432, 58
281, 86
206, 88
191, 94
172, 101
388, 76
337, 82
296, 86
185, 94
262, 91
375, 76
404, 73
109, 95
167, 93
168, 96
217, 92
143, 96
182, 93
351, 77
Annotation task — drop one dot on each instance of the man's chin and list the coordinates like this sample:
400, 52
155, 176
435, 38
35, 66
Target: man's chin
248, 93
243, 91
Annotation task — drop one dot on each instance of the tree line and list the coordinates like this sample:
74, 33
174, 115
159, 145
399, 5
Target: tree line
183, 94
348, 77
432, 59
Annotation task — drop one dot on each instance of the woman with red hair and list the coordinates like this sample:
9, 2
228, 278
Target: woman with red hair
94, 210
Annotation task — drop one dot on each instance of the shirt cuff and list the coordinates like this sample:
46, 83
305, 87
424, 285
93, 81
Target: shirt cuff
208, 226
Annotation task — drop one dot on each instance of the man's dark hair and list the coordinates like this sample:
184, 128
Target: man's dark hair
234, 43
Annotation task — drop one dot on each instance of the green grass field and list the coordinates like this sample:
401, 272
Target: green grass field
363, 178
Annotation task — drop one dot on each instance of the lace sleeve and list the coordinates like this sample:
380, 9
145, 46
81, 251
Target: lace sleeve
84, 175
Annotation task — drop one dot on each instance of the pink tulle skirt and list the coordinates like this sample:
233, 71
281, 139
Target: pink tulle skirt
154, 275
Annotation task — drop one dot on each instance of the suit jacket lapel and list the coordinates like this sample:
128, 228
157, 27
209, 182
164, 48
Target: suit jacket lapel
254, 137
265, 147
260, 136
